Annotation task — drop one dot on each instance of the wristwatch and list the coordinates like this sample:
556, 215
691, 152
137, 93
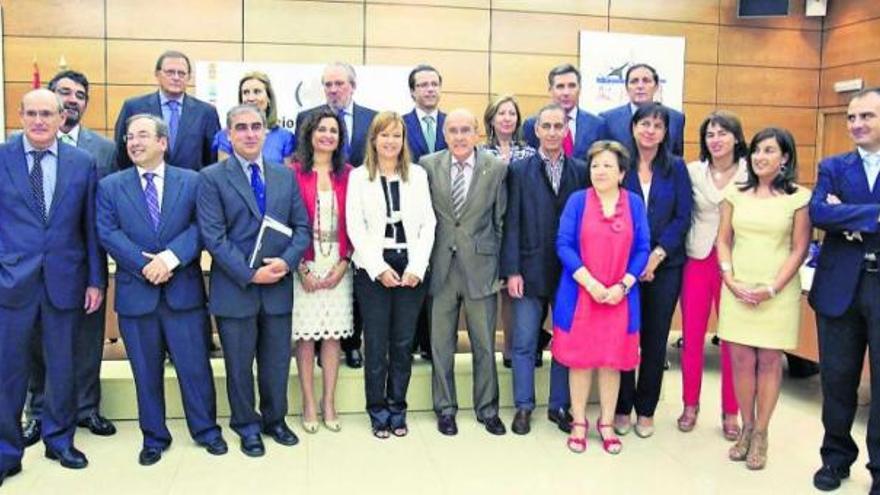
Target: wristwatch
625, 287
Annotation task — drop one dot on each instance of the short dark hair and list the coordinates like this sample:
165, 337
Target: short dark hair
663, 160
729, 122
865, 92
160, 126
422, 68
560, 70
642, 66
548, 108
305, 152
173, 54
77, 77
614, 147
785, 181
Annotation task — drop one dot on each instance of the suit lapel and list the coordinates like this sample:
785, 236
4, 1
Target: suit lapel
480, 169
132, 188
855, 175
18, 171
416, 131
170, 195
63, 174
273, 181
444, 184
187, 120
239, 182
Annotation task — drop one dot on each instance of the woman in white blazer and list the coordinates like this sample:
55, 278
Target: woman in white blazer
390, 222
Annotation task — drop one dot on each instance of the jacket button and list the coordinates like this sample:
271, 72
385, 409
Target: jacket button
458, 224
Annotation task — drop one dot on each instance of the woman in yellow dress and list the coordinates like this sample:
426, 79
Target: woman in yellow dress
762, 240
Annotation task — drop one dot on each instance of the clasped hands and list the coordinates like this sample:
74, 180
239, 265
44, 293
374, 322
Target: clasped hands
312, 282
156, 271
747, 293
390, 279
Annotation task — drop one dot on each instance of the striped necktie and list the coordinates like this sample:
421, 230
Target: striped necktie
459, 193
152, 196
36, 178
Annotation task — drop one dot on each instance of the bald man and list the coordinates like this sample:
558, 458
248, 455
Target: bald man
469, 195
50, 270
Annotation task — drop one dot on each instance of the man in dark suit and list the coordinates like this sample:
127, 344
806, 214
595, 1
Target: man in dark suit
424, 124
340, 81
538, 188
147, 223
73, 89
50, 269
642, 83
584, 128
191, 122
469, 196
253, 306
846, 290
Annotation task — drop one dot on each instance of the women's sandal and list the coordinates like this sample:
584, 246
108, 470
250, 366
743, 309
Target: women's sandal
730, 428
575, 444
756, 459
381, 432
609, 445
740, 449
688, 419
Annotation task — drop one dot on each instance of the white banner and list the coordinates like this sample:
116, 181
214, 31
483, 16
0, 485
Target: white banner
298, 86
604, 58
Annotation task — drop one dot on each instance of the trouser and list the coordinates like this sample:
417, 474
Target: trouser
528, 318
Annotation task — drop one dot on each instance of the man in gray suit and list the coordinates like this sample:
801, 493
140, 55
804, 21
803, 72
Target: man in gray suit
72, 89
469, 196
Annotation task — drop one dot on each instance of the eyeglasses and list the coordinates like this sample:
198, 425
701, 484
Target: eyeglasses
43, 114
243, 127
141, 136
179, 73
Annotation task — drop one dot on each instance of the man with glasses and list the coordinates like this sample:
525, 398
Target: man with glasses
469, 195
191, 122
72, 89
50, 270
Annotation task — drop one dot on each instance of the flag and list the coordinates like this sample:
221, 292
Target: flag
35, 83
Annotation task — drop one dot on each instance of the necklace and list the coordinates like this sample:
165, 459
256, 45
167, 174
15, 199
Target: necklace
325, 238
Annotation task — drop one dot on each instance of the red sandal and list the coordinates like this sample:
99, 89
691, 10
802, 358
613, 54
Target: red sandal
609, 445
575, 444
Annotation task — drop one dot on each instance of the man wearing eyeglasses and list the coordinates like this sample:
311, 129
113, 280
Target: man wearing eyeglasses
191, 122
51, 270
72, 89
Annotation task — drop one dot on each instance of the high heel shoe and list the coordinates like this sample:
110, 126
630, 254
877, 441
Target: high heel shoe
740, 449
644, 431
309, 427
575, 444
622, 424
333, 425
731, 428
756, 459
609, 445
688, 419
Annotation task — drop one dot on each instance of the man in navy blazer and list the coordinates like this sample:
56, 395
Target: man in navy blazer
253, 306
584, 128
846, 290
537, 190
424, 124
642, 83
147, 223
50, 269
191, 122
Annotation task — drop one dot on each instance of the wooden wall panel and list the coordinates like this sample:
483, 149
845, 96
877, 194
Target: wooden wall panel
795, 20
806, 171
852, 43
82, 54
466, 29
475, 103
769, 47
699, 83
95, 117
800, 121
276, 21
218, 20
523, 74
850, 11
701, 40
868, 71
835, 135
302, 54
134, 62
766, 86
116, 96
466, 72
695, 113
62, 18
528, 32
584, 7
703, 11
476, 4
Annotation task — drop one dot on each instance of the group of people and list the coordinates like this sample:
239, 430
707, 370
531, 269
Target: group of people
384, 227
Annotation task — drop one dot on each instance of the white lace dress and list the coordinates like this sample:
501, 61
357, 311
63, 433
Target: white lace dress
323, 314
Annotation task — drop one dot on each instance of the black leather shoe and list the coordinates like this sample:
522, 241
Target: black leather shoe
828, 478
561, 417
216, 447
446, 425
69, 458
149, 456
98, 425
282, 434
353, 358
493, 425
9, 473
252, 446
31, 432
426, 355
507, 362
522, 422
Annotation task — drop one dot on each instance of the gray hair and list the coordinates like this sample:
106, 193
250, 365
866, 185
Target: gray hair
243, 108
349, 71
160, 125
550, 107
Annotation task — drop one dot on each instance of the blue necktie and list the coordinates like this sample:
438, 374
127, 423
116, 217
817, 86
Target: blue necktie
346, 147
152, 196
259, 187
36, 177
173, 122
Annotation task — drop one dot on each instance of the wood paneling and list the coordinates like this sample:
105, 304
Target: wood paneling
584, 7
767, 86
795, 20
703, 11
466, 72
806, 171
695, 113
475, 103
134, 62
116, 96
197, 20
868, 71
523, 74
800, 121
853, 43
528, 32
447, 28
850, 11
85, 55
835, 135
276, 21
699, 83
477, 4
301, 54
64, 18
701, 40
769, 47
94, 117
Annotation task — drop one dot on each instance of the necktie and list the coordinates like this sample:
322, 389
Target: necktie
458, 189
173, 122
554, 174
430, 133
259, 187
568, 141
152, 196
67, 138
346, 143
36, 177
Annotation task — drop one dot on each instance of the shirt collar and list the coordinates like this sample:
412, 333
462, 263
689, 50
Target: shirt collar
74, 133
28, 147
158, 171
573, 113
547, 159
421, 114
245, 163
867, 155
163, 98
469, 162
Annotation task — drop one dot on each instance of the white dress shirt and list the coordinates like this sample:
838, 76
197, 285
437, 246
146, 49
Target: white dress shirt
468, 170
572, 122
871, 162
171, 260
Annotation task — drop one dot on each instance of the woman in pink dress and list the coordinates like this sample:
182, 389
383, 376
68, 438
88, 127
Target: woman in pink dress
603, 243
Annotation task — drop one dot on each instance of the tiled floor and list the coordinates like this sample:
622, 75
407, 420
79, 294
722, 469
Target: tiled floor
474, 462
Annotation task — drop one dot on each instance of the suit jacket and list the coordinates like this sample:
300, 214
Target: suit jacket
229, 221
192, 146
532, 221
62, 254
619, 121
474, 237
840, 260
418, 147
362, 117
101, 148
125, 230
365, 214
670, 204
588, 129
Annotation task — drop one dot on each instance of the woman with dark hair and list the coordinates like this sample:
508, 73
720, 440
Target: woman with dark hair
255, 89
661, 179
723, 151
322, 302
763, 238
